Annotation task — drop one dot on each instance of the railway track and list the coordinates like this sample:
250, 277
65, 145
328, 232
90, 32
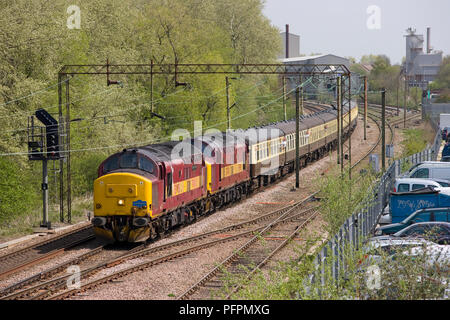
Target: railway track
26, 257
247, 259
50, 287
176, 249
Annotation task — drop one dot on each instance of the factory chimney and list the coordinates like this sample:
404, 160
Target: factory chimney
428, 40
287, 41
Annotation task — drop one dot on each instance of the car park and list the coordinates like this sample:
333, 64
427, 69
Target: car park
422, 215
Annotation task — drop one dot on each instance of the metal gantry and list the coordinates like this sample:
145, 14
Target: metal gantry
328, 71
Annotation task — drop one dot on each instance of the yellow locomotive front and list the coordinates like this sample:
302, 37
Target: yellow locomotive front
123, 199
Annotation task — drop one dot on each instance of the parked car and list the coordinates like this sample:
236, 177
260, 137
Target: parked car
377, 246
435, 253
390, 248
443, 182
422, 215
445, 159
429, 169
435, 231
409, 184
444, 133
446, 149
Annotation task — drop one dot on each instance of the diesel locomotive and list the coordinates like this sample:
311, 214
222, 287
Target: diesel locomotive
142, 192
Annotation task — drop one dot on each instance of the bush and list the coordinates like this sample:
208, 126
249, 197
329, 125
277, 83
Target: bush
19, 194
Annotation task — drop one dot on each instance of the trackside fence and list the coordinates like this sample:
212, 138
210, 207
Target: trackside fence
362, 223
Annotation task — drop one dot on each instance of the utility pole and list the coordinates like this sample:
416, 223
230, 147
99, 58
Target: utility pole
301, 100
228, 104
342, 124
284, 98
45, 222
69, 178
365, 107
349, 133
61, 160
151, 89
404, 104
338, 118
383, 129
398, 87
297, 138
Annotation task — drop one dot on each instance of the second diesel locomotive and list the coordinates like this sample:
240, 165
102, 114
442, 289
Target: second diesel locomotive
142, 192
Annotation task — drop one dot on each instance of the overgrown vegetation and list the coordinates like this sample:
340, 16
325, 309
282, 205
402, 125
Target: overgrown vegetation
35, 43
414, 141
442, 81
340, 196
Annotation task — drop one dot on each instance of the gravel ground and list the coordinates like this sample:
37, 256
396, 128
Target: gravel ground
39, 237
35, 269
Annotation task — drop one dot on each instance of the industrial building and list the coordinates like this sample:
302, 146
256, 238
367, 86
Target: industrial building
420, 67
293, 42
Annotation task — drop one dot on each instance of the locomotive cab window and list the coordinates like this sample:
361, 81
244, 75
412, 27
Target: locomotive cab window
128, 160
111, 164
145, 164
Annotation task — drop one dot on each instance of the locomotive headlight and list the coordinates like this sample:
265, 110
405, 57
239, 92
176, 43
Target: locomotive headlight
120, 202
98, 206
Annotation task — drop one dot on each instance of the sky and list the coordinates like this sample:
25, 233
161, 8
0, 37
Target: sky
346, 28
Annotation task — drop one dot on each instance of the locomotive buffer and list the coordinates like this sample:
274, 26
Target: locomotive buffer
43, 147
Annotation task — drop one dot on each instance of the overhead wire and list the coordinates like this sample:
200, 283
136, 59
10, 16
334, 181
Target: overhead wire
142, 143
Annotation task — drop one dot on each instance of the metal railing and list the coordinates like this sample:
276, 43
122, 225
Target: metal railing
361, 224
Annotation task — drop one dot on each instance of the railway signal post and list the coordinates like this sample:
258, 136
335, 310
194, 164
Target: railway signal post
43, 147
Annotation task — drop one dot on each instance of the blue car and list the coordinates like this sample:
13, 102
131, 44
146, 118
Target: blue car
422, 215
436, 231
446, 150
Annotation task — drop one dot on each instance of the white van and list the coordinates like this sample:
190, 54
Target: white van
429, 170
410, 184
